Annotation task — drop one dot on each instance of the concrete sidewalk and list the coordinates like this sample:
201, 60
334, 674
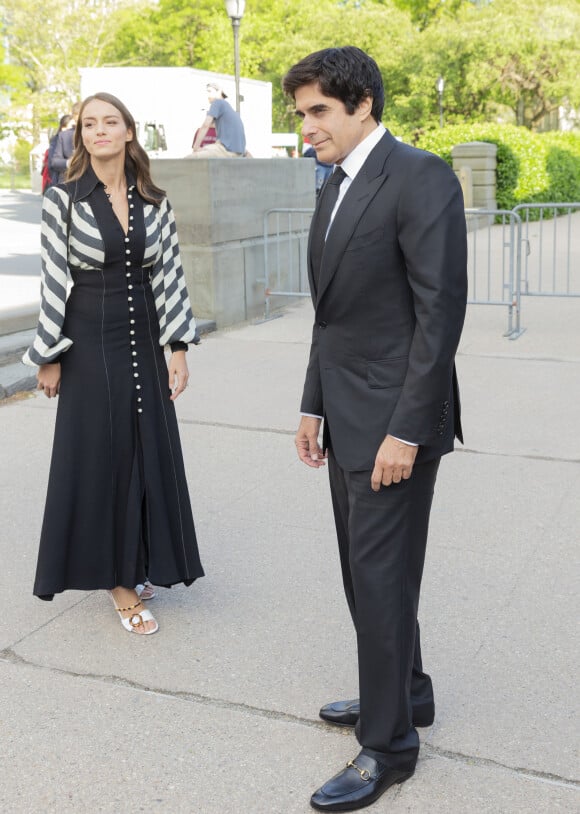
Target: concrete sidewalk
217, 714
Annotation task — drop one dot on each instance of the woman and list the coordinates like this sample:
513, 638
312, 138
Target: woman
117, 508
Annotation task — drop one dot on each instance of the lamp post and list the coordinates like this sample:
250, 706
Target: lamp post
440, 84
235, 10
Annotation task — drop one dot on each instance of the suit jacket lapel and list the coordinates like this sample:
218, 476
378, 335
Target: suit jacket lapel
361, 192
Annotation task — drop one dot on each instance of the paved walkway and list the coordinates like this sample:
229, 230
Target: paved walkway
217, 713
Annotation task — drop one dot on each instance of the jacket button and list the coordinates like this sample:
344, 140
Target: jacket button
322, 324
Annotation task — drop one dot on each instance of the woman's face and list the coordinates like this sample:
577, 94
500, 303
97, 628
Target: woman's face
104, 131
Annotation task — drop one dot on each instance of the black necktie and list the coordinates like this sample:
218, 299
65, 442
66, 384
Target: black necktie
325, 206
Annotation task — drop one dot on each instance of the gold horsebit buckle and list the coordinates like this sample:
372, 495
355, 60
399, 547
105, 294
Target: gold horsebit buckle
364, 773
135, 620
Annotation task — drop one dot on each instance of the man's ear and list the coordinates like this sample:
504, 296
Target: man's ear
365, 107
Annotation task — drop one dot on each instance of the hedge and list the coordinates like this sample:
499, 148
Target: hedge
531, 167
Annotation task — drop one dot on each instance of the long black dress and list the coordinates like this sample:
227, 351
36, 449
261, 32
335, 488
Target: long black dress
117, 508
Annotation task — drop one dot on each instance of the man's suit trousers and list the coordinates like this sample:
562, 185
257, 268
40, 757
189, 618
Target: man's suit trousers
382, 538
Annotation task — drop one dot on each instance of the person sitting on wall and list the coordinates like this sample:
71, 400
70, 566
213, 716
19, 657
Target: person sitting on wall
231, 137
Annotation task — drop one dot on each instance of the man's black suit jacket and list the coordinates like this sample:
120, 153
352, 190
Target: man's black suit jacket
389, 303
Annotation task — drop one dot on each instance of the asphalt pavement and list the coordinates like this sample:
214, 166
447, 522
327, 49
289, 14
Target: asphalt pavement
218, 712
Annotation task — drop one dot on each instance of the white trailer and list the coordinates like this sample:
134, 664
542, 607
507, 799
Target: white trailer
173, 102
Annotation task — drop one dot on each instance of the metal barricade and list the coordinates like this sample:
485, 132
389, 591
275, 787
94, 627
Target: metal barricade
498, 273
550, 265
285, 254
493, 262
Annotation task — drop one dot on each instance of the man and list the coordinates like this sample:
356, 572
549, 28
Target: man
231, 138
60, 157
389, 286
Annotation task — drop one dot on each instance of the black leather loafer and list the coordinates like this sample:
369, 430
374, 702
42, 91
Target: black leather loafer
341, 713
346, 713
359, 784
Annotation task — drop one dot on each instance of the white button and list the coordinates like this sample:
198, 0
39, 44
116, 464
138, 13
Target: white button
131, 206
134, 352
132, 321
132, 334
139, 410
128, 274
139, 399
131, 308
130, 228
137, 386
135, 364
130, 218
126, 240
130, 299
127, 251
136, 375
127, 262
130, 287
132, 341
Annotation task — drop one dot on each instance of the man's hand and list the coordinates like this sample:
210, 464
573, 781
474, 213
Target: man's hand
307, 446
394, 462
48, 378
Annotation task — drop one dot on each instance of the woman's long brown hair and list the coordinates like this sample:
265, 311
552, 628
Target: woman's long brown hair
136, 159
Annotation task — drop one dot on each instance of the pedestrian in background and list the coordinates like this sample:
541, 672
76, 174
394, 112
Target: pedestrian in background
47, 179
117, 508
63, 148
321, 169
231, 137
388, 277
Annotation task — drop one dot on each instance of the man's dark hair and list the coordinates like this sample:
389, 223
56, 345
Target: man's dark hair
344, 73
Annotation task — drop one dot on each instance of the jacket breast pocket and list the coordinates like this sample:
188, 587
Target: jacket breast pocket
384, 373
366, 239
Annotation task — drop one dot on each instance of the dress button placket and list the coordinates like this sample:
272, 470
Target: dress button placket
132, 341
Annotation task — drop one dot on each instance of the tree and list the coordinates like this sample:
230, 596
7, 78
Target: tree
49, 40
425, 12
508, 60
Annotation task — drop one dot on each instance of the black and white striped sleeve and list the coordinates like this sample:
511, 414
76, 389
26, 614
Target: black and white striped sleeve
49, 341
176, 321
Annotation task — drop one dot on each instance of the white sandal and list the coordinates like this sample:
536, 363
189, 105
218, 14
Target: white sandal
145, 590
136, 619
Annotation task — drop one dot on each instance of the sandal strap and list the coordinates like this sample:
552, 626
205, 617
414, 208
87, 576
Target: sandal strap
136, 605
138, 619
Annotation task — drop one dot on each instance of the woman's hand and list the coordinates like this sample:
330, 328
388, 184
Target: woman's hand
178, 373
48, 378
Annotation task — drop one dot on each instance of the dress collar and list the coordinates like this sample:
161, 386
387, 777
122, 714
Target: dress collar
82, 187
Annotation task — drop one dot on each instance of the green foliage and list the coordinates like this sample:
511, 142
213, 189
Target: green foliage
531, 167
22, 150
508, 60
425, 12
49, 40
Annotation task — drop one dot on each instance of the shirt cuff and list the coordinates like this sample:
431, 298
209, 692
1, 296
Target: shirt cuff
402, 440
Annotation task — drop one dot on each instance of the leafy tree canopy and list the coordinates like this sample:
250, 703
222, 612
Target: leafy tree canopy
508, 60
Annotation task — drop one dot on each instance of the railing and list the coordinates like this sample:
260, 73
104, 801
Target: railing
493, 262
551, 261
285, 254
499, 272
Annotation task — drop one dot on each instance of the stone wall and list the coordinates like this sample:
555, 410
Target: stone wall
475, 165
219, 207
